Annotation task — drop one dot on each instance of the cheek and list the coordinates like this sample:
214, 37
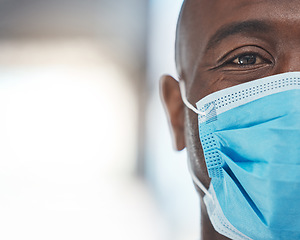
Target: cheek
211, 82
219, 82
206, 84
194, 147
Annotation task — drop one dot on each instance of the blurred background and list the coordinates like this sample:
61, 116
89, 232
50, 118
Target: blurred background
85, 149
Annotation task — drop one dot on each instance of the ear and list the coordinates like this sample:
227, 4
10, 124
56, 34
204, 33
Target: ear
174, 106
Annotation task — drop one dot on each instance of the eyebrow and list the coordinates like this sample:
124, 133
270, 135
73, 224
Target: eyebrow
247, 27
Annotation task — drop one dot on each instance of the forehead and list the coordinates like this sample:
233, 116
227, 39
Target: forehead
201, 19
209, 15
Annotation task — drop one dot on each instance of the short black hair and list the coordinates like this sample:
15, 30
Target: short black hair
179, 32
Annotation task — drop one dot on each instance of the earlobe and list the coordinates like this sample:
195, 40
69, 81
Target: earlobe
171, 98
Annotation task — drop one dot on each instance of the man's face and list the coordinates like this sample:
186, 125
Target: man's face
222, 43
231, 42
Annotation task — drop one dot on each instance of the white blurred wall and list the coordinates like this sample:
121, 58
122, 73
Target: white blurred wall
71, 85
63, 161
74, 113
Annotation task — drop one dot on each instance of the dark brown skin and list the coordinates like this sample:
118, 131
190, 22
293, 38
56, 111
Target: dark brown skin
222, 43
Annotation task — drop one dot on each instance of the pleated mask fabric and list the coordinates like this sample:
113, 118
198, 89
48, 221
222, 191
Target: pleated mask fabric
250, 135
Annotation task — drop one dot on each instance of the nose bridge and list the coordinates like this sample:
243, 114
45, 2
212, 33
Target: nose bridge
289, 61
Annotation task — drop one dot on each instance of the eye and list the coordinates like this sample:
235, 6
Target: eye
247, 59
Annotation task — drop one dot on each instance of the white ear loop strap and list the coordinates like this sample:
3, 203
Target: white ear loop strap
198, 183
186, 102
190, 106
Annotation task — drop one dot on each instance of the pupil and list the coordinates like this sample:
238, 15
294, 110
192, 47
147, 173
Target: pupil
247, 59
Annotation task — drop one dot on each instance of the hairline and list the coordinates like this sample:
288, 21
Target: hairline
178, 38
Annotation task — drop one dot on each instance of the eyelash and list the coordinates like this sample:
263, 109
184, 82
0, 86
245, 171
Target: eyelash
230, 62
256, 55
226, 62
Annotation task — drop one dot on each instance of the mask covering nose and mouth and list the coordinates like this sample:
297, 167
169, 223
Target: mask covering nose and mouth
250, 135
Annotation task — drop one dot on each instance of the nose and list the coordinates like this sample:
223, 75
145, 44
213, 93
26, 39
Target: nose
288, 62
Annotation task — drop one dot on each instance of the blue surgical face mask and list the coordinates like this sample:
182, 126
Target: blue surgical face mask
250, 135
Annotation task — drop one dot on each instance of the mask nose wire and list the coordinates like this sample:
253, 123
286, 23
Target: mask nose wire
190, 106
